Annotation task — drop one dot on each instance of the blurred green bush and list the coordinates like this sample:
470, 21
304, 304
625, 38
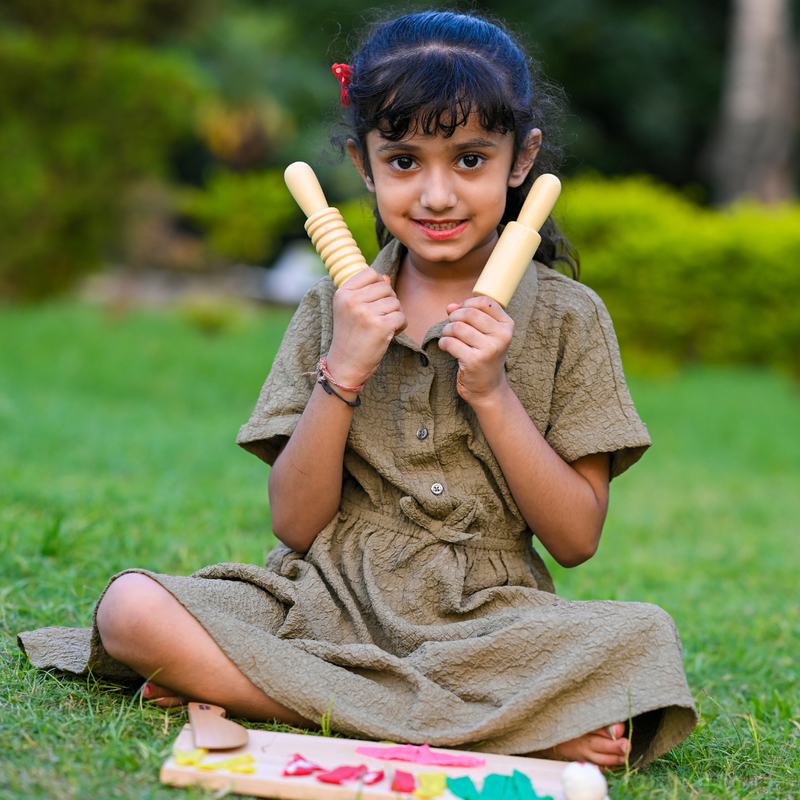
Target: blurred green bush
684, 282
80, 118
244, 214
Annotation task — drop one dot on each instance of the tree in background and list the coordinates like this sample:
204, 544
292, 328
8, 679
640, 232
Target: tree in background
754, 147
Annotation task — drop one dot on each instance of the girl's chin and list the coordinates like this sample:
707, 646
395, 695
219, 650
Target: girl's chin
448, 258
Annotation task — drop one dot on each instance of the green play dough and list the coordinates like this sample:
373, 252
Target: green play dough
496, 787
463, 788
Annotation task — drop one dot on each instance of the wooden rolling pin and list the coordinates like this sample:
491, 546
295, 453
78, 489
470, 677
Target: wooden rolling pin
324, 225
518, 242
503, 270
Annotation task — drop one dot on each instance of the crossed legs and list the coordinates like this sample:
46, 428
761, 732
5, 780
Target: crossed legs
142, 625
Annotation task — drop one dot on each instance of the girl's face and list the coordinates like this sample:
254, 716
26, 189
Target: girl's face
444, 197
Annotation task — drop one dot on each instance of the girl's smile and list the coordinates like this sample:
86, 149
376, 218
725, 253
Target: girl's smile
442, 229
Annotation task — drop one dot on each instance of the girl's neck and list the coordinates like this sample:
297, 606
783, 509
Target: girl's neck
426, 288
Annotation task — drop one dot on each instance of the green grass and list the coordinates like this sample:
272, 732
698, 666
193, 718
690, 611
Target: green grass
116, 449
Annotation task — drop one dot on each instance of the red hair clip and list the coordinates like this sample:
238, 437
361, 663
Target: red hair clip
344, 73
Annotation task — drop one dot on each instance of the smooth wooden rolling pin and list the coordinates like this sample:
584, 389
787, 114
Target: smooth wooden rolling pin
343, 259
518, 242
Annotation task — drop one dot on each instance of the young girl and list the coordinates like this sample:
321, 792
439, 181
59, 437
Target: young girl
440, 434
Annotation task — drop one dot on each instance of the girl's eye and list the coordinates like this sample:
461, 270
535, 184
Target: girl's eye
470, 161
404, 162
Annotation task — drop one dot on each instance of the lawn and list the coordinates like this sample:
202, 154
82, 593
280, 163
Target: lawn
117, 449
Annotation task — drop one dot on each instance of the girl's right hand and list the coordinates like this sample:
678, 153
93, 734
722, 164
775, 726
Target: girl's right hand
366, 316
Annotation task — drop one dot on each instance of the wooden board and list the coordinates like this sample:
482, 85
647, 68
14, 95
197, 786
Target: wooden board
273, 751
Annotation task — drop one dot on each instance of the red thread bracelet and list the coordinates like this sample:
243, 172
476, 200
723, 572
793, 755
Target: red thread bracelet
322, 369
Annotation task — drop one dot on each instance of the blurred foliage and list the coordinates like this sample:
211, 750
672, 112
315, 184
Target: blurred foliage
149, 20
80, 118
643, 79
244, 214
98, 97
215, 315
687, 283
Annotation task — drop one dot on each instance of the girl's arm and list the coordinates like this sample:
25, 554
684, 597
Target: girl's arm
305, 484
564, 504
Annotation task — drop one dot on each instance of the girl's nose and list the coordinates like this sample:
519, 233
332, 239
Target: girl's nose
438, 193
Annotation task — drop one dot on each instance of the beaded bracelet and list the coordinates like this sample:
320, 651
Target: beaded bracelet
330, 390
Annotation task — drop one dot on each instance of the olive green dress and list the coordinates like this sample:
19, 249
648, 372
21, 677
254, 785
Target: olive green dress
422, 612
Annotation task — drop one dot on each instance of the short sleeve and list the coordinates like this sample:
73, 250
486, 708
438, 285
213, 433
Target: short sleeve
287, 390
591, 409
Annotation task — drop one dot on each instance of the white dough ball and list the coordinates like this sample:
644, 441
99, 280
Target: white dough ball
582, 781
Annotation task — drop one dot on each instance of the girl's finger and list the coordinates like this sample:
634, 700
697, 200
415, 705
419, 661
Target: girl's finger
478, 319
363, 278
456, 348
397, 321
468, 334
369, 292
493, 341
488, 306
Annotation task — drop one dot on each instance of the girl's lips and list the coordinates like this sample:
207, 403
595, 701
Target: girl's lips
441, 228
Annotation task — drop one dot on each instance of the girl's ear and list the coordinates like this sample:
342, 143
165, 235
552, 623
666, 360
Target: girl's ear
527, 155
358, 160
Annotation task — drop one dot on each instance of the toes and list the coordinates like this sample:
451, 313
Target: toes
605, 752
602, 744
152, 691
161, 697
169, 702
615, 731
606, 760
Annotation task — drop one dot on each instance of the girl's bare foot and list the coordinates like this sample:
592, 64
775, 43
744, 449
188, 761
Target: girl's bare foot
161, 697
605, 747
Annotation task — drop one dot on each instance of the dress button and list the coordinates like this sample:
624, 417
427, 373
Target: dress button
423, 359
422, 433
437, 488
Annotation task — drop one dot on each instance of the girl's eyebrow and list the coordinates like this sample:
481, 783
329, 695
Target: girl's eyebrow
477, 142
472, 144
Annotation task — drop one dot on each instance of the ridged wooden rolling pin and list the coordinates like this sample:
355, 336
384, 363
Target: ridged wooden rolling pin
503, 270
324, 225
518, 242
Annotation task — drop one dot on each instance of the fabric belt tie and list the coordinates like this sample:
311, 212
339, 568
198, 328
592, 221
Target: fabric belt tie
453, 529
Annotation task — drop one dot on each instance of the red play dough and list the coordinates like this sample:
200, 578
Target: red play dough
403, 782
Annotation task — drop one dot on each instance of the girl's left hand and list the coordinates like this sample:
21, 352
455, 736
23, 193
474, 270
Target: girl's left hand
478, 333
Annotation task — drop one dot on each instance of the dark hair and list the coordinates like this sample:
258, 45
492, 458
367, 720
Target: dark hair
427, 72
